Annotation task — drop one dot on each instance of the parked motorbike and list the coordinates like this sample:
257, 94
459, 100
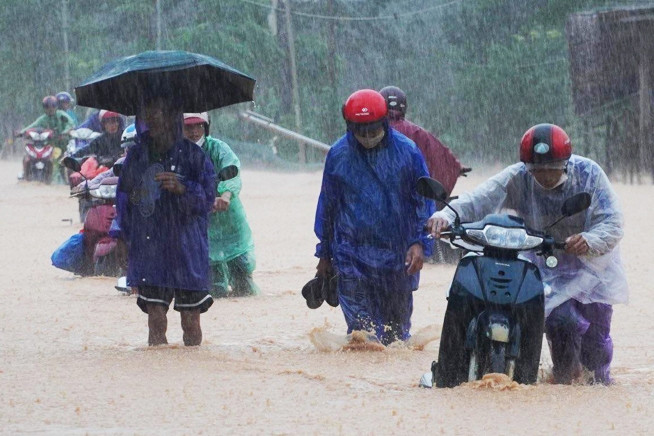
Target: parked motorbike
102, 256
494, 319
39, 151
79, 139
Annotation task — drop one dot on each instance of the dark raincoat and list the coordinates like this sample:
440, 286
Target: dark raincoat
369, 212
106, 147
441, 162
166, 233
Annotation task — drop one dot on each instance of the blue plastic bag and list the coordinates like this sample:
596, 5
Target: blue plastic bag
70, 255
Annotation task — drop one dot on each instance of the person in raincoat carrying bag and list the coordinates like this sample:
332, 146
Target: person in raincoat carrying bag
589, 277
370, 220
231, 248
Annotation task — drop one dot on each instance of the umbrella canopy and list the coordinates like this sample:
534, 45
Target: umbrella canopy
194, 82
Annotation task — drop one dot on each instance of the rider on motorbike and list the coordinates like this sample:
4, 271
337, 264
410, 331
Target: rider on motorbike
107, 148
65, 103
589, 277
54, 119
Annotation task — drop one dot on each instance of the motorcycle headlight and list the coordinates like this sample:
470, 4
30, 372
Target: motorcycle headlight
48, 153
104, 191
501, 237
30, 152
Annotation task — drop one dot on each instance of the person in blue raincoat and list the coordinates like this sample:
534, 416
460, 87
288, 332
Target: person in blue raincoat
370, 220
166, 190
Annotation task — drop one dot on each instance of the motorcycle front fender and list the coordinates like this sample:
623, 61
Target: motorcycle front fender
104, 247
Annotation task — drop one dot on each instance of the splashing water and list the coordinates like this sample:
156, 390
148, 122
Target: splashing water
326, 341
495, 382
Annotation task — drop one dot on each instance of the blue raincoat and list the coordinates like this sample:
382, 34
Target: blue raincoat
166, 233
368, 216
369, 212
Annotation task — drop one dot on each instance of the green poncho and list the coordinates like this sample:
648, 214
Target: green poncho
59, 122
229, 233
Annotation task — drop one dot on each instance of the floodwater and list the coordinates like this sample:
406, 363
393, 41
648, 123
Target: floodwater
74, 359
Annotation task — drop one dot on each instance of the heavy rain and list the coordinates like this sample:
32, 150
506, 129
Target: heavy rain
268, 194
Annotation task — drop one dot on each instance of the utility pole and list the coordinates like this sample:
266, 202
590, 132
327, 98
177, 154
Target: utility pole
302, 154
64, 25
158, 8
331, 69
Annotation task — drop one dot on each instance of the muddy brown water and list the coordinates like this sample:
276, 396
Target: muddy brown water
74, 360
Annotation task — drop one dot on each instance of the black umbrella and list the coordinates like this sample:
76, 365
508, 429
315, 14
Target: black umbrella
194, 82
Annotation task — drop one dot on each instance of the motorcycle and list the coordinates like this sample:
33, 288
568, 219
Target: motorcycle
494, 321
102, 255
37, 163
79, 139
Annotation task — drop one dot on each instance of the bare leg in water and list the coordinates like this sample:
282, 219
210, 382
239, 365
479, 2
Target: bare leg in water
158, 324
191, 327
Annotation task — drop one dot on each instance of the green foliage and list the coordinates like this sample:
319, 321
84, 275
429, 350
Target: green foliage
477, 73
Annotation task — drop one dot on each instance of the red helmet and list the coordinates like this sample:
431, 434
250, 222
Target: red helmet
545, 143
49, 101
365, 106
105, 115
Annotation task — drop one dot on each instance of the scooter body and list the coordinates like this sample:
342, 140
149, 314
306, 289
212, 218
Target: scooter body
37, 163
80, 138
494, 319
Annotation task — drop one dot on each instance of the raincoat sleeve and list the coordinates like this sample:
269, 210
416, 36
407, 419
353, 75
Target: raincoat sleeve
199, 196
441, 162
122, 201
605, 229
226, 158
485, 199
424, 208
325, 213
41, 121
67, 122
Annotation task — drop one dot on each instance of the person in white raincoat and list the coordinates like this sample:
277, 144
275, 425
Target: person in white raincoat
589, 277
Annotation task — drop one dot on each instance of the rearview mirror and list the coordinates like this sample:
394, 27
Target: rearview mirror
229, 172
576, 204
71, 164
431, 188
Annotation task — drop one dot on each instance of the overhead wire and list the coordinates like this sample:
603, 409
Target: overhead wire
353, 18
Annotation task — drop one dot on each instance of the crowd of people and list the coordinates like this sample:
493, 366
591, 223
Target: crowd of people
189, 240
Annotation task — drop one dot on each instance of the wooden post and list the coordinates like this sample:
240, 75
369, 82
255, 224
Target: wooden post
608, 142
645, 109
64, 25
302, 153
332, 124
158, 9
